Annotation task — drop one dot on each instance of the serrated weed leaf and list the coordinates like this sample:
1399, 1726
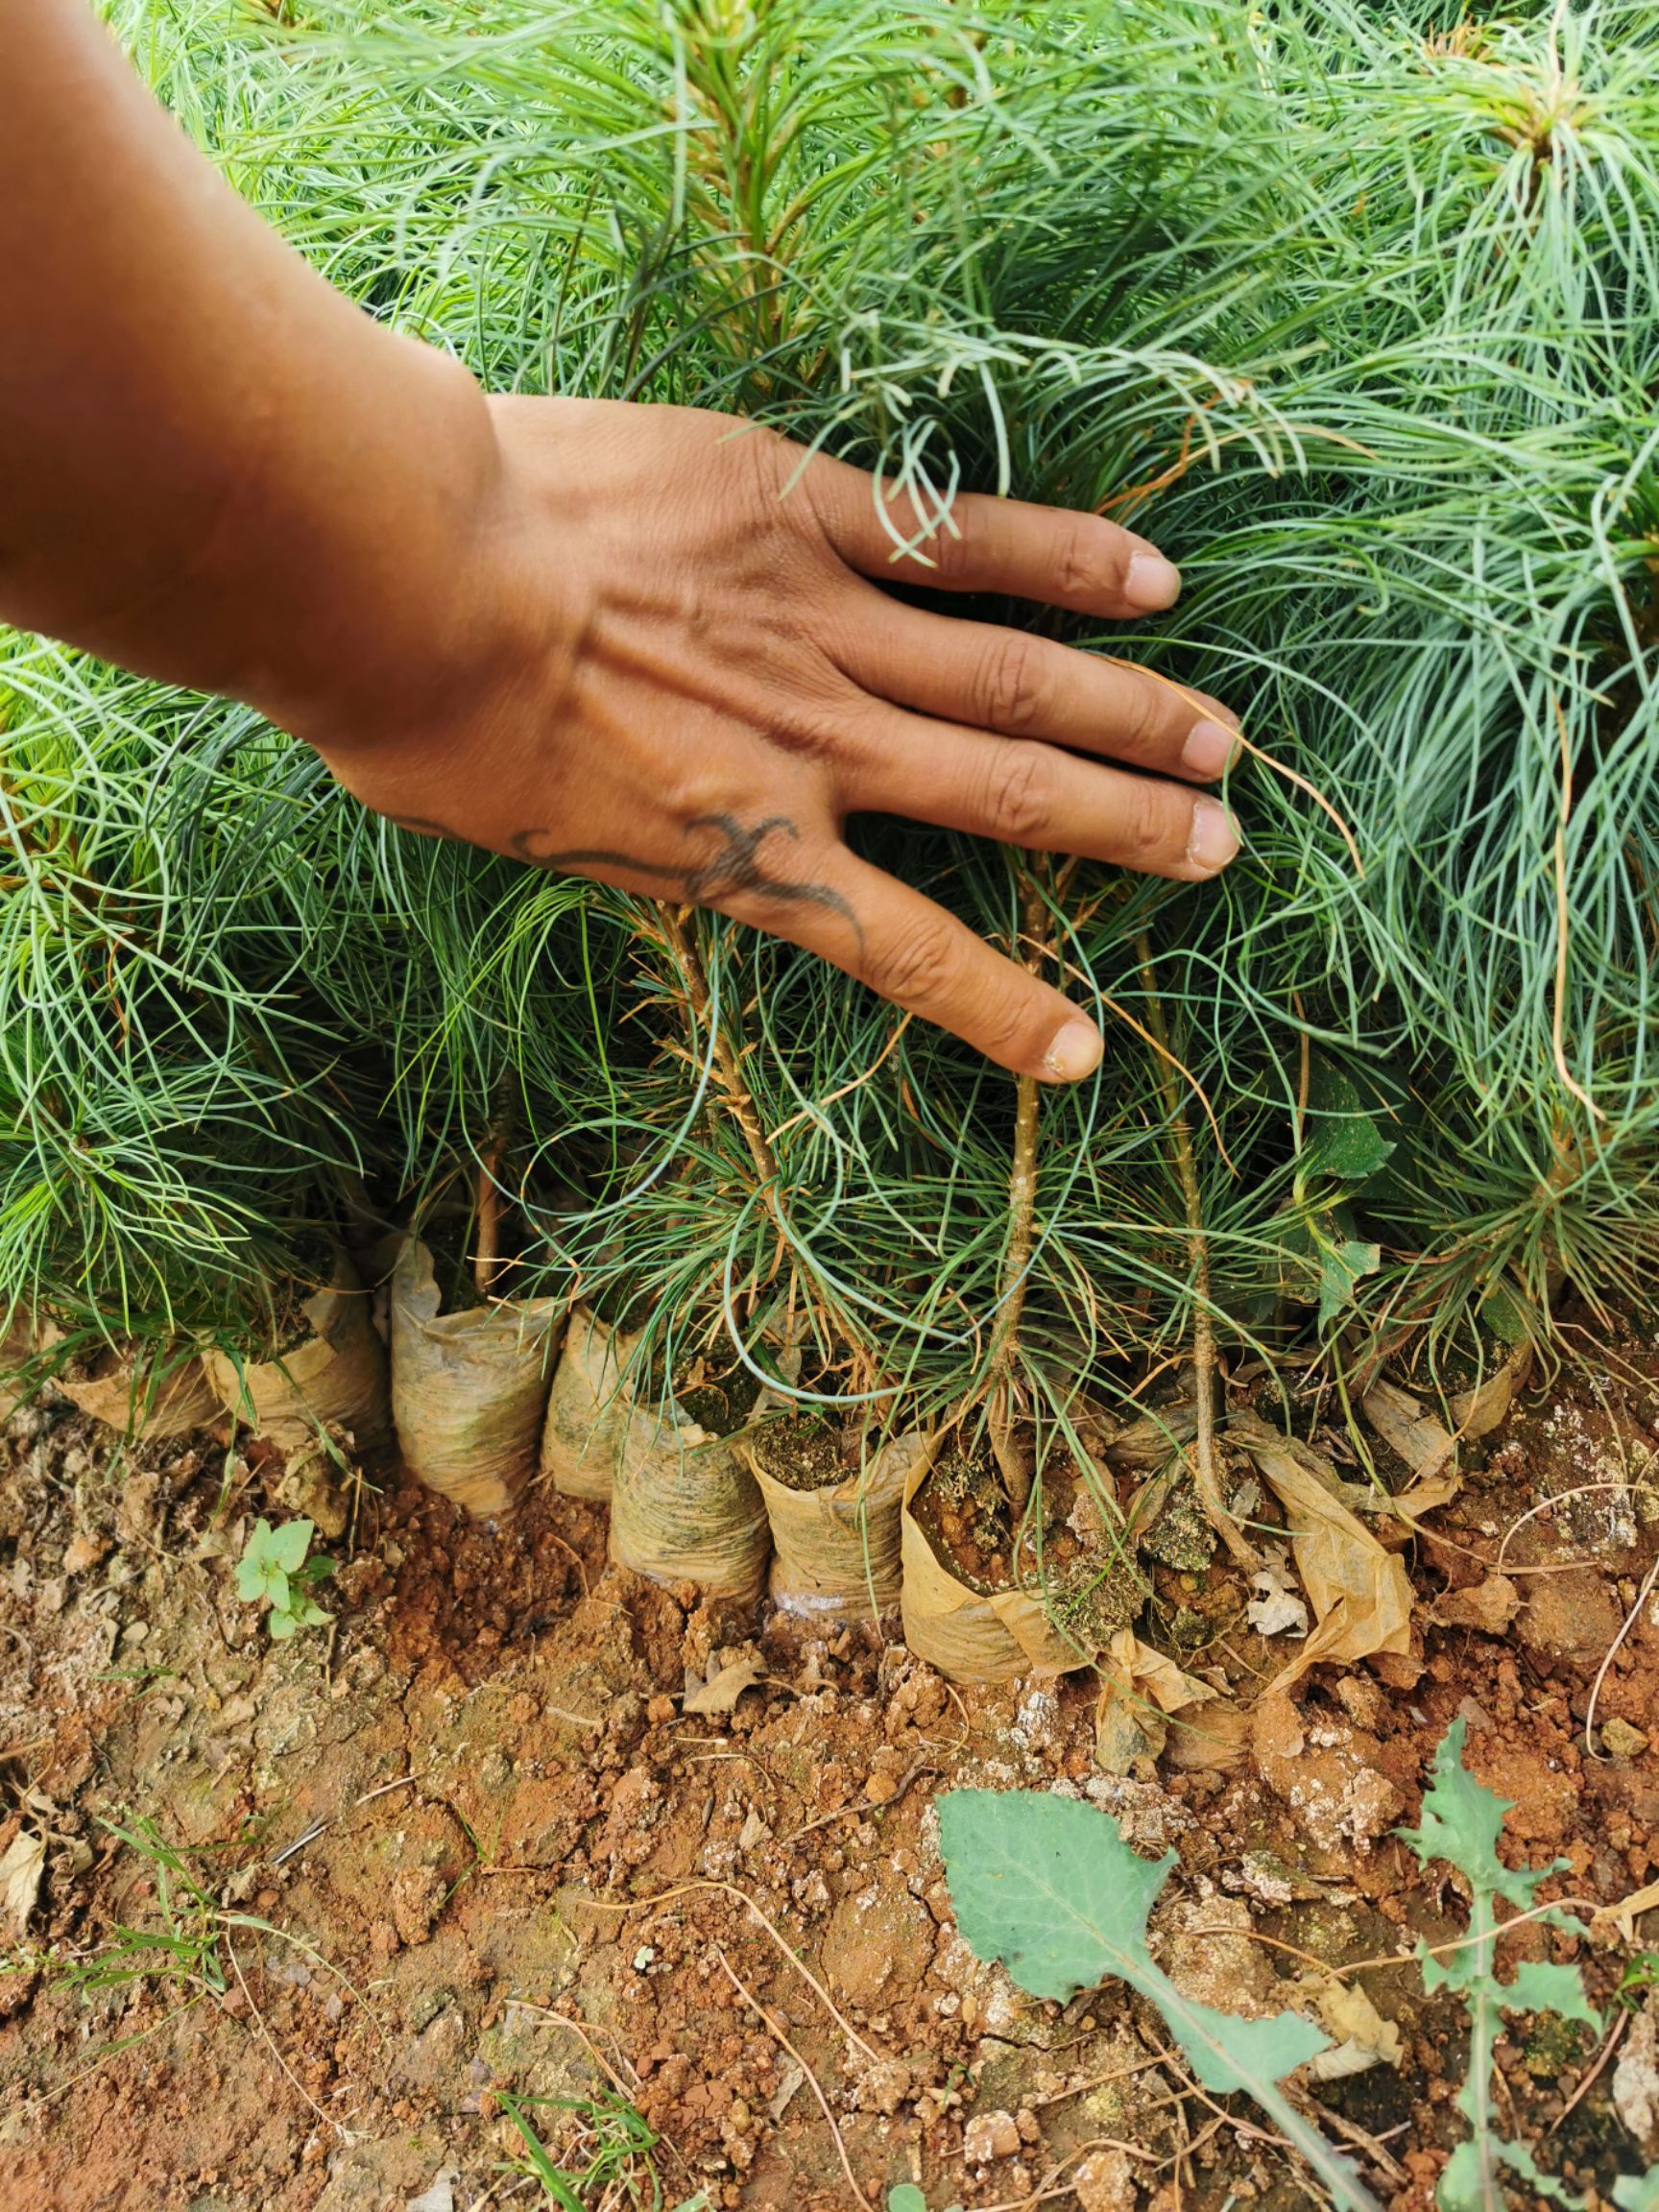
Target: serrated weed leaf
1461, 1822
1048, 1886
1469, 2179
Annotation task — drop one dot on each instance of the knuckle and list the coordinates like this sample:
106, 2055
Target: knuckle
917, 968
1020, 796
1084, 566
1013, 690
1150, 832
1142, 725
1004, 1028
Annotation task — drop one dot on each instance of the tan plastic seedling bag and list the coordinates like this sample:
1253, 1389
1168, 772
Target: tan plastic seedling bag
336, 1376
971, 1635
837, 1551
470, 1389
118, 1392
16, 1348
684, 1508
588, 1410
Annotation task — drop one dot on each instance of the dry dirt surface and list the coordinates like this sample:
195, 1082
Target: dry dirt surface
470, 1842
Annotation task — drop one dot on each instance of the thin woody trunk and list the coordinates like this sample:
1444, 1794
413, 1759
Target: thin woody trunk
491, 1204
726, 1062
1206, 1475
1009, 1430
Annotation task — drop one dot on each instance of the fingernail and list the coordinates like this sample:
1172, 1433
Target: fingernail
1075, 1052
1152, 582
1215, 837
1211, 749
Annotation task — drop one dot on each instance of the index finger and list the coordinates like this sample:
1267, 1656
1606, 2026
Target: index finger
1054, 554
923, 958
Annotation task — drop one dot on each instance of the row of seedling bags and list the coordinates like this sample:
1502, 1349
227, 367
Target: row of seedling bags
485, 1402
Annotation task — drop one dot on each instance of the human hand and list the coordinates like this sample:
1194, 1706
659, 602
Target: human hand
663, 662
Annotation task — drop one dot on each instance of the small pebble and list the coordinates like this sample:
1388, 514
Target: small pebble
990, 2135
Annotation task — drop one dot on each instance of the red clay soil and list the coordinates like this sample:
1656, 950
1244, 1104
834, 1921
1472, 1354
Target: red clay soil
468, 1841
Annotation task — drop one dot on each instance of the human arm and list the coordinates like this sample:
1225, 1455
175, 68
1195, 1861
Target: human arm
601, 636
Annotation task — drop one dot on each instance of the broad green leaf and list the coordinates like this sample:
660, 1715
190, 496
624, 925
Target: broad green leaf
1502, 1313
300, 1612
1344, 1140
289, 1545
1539, 1986
906, 2198
256, 1571
1341, 1266
1638, 2192
1047, 1886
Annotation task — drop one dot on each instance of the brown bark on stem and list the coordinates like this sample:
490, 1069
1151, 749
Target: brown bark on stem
1009, 1432
491, 1206
1205, 1473
725, 1062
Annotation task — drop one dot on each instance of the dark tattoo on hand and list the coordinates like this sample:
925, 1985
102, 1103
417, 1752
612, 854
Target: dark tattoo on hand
734, 866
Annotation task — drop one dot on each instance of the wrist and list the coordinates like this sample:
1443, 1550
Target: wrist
371, 575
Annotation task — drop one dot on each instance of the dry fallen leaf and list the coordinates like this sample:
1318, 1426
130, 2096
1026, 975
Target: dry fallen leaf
1408, 1426
1478, 1411
21, 1866
1276, 1609
1140, 1687
721, 1692
1423, 1495
1209, 1740
1359, 1593
1489, 1606
1622, 1918
1361, 2036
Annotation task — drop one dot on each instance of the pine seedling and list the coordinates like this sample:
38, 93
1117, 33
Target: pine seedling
1461, 1823
1047, 1886
274, 1571
1377, 371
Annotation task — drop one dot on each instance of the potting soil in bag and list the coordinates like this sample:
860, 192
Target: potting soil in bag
335, 1375
588, 1408
468, 1389
684, 1508
971, 1635
836, 1548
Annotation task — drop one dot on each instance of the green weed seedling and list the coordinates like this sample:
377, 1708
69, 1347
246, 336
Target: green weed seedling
1461, 1823
185, 1947
1047, 1886
619, 2169
273, 1570
907, 2197
1638, 2192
